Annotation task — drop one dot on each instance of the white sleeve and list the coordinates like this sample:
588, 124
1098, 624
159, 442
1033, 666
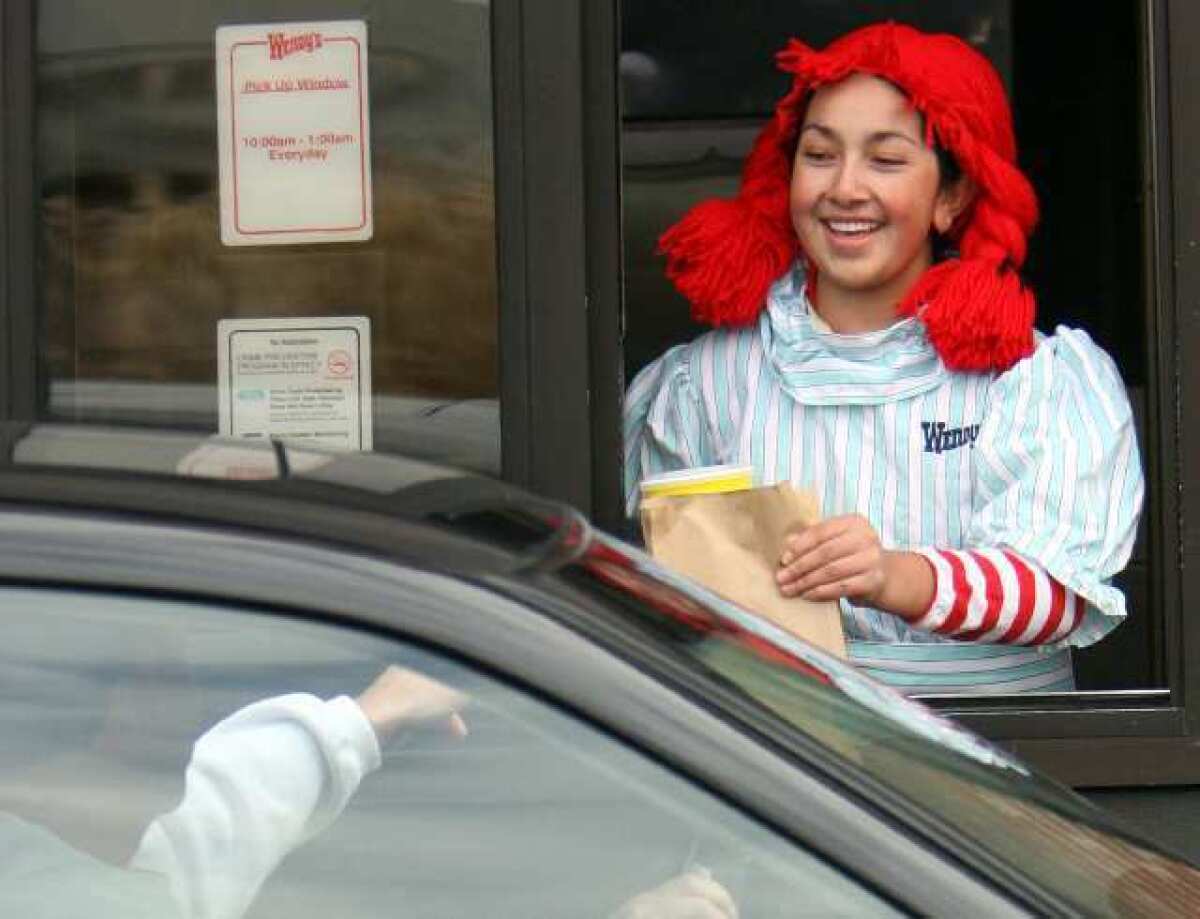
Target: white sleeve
261, 782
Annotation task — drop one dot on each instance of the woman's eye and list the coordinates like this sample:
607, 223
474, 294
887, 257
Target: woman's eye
889, 162
817, 156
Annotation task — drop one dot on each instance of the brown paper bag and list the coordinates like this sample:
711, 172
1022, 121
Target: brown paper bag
731, 543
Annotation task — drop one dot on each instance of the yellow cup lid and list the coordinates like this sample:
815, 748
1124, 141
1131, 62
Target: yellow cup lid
699, 481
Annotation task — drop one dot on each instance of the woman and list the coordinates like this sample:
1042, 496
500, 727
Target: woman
980, 482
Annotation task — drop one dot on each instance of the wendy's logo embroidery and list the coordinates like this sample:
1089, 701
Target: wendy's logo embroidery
939, 438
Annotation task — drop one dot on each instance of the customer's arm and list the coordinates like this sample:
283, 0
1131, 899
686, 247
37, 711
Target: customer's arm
271, 776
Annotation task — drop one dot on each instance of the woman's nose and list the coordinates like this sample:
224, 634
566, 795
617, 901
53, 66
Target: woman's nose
847, 186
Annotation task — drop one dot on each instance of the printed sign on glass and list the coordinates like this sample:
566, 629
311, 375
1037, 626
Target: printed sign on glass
293, 133
305, 380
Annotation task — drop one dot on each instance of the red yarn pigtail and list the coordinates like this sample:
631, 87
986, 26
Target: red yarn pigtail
723, 257
977, 312
725, 253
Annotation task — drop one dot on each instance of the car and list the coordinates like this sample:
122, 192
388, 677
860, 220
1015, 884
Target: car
626, 726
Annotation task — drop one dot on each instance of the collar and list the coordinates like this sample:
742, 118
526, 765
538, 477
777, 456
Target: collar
818, 366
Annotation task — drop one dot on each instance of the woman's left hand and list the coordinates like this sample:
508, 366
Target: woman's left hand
838, 557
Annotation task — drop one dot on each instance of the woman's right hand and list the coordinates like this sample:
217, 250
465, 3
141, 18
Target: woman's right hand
838, 557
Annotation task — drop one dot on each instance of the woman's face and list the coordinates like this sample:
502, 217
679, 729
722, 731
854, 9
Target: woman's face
864, 193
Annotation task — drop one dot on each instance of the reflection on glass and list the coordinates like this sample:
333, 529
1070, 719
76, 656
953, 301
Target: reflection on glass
134, 278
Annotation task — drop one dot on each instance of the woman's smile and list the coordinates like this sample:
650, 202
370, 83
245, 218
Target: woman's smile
851, 234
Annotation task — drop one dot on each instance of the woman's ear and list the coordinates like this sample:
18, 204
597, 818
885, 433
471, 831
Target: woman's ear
952, 202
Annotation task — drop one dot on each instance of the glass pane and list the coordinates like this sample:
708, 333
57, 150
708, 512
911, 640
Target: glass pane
690, 116
134, 277
978, 792
531, 813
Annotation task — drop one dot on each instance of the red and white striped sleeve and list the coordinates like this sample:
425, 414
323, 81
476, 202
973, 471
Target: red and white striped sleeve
995, 596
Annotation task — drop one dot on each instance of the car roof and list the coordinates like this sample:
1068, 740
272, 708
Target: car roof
354, 499
181, 455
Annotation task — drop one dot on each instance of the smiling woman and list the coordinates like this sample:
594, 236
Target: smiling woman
964, 562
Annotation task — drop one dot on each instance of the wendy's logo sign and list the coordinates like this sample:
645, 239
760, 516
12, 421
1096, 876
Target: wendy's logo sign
282, 45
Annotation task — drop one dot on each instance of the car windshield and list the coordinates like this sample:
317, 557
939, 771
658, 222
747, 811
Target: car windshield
882, 744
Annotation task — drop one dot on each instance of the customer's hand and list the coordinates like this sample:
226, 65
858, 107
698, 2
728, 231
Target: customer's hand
691, 895
400, 698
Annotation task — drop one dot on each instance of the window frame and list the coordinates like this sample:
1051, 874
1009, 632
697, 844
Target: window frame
1099, 739
18, 223
559, 247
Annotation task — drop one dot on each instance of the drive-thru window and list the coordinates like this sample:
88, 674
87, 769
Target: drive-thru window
430, 227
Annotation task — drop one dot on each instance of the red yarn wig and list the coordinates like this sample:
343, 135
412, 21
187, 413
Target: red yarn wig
725, 253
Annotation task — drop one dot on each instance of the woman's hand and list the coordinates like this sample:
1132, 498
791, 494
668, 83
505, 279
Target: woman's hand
839, 557
400, 698
842, 557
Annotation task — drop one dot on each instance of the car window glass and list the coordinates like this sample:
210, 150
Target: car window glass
534, 813
965, 787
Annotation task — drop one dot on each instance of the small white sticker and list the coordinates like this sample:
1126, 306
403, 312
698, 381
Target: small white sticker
293, 127
305, 380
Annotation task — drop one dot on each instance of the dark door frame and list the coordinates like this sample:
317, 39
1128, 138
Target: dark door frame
558, 239
18, 218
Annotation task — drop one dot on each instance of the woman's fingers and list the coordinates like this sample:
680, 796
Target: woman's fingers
839, 557
829, 552
847, 576
797, 545
855, 588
